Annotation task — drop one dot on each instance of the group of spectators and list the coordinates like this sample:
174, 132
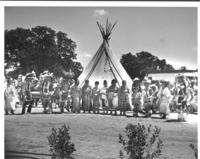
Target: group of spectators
146, 97
164, 97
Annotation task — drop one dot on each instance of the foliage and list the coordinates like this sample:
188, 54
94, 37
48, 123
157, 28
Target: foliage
60, 145
40, 48
138, 65
141, 142
195, 150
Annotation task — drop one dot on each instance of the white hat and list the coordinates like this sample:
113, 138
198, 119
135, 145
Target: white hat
136, 79
148, 81
143, 87
146, 78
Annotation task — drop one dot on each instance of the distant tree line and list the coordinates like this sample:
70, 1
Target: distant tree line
40, 48
143, 62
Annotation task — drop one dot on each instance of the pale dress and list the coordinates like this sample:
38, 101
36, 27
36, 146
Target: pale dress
96, 98
11, 98
165, 96
104, 100
113, 97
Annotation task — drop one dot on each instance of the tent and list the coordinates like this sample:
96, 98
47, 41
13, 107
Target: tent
104, 65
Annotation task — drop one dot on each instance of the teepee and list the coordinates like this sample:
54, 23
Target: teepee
104, 65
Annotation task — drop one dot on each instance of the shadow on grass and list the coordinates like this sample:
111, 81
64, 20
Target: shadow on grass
175, 120
24, 155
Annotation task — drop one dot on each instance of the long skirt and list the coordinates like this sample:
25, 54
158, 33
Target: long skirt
112, 100
10, 102
87, 102
164, 105
75, 104
124, 103
96, 102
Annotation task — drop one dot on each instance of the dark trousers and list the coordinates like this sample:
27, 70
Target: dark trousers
30, 105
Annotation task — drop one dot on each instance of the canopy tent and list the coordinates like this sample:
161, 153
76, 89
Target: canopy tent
104, 65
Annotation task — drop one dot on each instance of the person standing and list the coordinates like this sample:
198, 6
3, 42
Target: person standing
103, 96
27, 96
96, 98
76, 97
86, 96
10, 96
136, 97
64, 92
123, 102
55, 95
19, 87
165, 96
147, 107
113, 96
46, 95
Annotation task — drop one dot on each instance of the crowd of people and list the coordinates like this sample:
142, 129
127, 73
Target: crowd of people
146, 96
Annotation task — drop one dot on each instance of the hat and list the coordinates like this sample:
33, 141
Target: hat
29, 76
148, 81
146, 78
143, 87
136, 79
46, 75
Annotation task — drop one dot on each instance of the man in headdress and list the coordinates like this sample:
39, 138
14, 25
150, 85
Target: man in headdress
64, 93
46, 92
27, 97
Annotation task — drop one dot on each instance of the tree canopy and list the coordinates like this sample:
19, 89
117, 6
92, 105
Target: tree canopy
40, 48
139, 64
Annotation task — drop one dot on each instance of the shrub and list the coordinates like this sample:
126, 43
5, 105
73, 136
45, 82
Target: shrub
195, 150
60, 145
141, 142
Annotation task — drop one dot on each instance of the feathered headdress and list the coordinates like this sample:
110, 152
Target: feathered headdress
46, 75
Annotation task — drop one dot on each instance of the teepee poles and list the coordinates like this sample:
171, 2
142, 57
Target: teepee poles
106, 32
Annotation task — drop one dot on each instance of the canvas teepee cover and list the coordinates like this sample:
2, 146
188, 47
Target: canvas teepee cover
104, 65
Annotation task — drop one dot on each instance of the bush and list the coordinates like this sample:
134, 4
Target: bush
141, 142
60, 145
195, 150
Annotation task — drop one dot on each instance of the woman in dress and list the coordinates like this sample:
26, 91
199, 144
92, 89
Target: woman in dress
96, 98
123, 95
165, 96
76, 97
86, 96
113, 96
11, 97
103, 94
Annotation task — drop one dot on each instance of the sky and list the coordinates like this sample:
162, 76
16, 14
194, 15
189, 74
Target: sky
167, 32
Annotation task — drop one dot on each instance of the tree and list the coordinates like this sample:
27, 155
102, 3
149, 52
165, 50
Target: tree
139, 64
40, 48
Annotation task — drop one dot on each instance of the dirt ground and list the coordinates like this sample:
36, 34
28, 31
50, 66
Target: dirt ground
95, 136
